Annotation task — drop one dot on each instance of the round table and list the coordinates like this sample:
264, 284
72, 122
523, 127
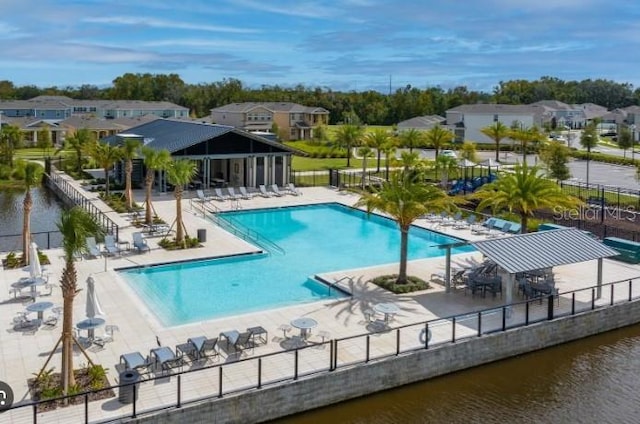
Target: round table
388, 309
39, 307
90, 324
305, 325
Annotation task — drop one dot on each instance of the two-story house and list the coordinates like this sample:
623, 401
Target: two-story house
294, 121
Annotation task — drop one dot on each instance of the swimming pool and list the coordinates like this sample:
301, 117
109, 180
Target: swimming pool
315, 238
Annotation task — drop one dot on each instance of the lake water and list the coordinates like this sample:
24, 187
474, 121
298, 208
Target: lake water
44, 215
594, 380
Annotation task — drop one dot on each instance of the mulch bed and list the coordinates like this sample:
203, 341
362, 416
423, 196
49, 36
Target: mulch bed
82, 381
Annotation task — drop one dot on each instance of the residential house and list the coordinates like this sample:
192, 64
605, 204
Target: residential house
294, 121
420, 123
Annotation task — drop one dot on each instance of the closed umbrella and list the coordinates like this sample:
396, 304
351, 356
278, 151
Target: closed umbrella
93, 304
35, 269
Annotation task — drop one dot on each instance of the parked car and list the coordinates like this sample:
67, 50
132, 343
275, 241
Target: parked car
449, 153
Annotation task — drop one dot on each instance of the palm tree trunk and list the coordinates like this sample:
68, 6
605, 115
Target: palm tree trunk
148, 181
378, 166
26, 226
106, 183
348, 155
404, 244
179, 225
69, 290
497, 151
127, 189
524, 220
79, 159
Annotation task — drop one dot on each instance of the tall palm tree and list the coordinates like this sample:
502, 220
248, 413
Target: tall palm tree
438, 137
349, 136
10, 140
80, 142
106, 155
179, 173
32, 176
446, 167
497, 132
411, 138
405, 201
377, 139
129, 152
154, 160
75, 225
365, 152
523, 192
389, 149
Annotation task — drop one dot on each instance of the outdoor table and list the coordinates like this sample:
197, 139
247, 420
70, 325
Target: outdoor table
388, 309
305, 325
90, 324
124, 245
258, 332
31, 283
39, 307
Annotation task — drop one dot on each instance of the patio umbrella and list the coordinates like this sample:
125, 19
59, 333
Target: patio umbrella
93, 304
490, 163
35, 270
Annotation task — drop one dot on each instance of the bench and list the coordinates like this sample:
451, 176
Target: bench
629, 251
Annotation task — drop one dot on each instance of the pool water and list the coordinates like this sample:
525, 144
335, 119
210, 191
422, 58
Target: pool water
316, 239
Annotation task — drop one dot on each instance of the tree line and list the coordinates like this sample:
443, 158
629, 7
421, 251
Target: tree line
369, 107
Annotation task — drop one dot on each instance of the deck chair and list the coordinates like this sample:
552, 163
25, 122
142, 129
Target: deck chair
291, 189
208, 349
243, 342
135, 361
244, 193
264, 192
111, 246
92, 247
202, 197
276, 190
219, 195
140, 243
232, 194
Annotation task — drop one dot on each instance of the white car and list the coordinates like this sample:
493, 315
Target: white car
449, 153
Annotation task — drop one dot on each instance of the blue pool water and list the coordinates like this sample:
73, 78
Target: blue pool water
316, 239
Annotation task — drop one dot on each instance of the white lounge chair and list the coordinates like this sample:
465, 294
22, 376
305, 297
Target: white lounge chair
276, 190
111, 246
219, 195
139, 243
291, 189
202, 197
92, 247
264, 192
244, 193
232, 194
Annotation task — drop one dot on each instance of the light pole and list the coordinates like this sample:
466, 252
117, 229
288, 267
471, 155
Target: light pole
632, 127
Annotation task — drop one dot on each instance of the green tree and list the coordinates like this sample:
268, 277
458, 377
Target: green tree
129, 151
320, 133
75, 225
496, 132
44, 141
377, 139
555, 156
365, 152
625, 139
10, 139
179, 173
589, 140
106, 157
348, 136
523, 192
389, 150
412, 139
438, 137
80, 142
154, 160
405, 200
32, 177
468, 151
446, 166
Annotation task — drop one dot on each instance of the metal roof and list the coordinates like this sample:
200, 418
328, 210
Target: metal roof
544, 249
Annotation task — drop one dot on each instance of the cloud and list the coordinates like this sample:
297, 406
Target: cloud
160, 23
292, 8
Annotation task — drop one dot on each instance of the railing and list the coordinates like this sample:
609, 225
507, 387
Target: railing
44, 240
316, 358
609, 196
64, 188
309, 178
211, 212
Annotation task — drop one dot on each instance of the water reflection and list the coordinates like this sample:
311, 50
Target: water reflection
592, 380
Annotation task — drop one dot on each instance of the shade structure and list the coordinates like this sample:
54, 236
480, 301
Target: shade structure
35, 269
490, 163
466, 163
93, 304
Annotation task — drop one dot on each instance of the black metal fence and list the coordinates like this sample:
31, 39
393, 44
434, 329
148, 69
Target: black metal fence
603, 195
230, 377
44, 240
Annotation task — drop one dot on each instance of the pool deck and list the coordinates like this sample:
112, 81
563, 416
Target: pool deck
23, 354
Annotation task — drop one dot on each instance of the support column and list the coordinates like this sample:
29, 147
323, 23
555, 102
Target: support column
207, 172
509, 293
285, 169
254, 167
273, 170
447, 270
599, 286
265, 169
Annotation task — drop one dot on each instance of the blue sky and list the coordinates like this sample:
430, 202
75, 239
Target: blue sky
343, 45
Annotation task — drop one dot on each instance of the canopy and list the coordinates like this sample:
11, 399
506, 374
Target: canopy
490, 163
93, 304
35, 270
466, 163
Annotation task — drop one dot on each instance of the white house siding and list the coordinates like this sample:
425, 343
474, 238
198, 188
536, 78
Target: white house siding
475, 122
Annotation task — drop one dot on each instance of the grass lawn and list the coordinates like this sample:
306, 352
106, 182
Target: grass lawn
34, 153
314, 164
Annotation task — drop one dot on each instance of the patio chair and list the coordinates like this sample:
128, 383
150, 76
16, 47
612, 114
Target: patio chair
264, 192
139, 243
209, 349
92, 247
276, 191
107, 337
111, 246
219, 196
244, 193
232, 194
291, 189
135, 361
202, 197
243, 342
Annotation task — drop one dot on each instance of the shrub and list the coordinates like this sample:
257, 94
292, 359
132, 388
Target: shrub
388, 282
171, 244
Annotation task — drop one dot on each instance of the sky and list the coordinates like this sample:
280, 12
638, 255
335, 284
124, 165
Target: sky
344, 45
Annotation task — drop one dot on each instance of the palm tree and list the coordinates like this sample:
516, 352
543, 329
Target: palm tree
106, 155
405, 201
523, 192
389, 149
447, 166
411, 138
377, 139
10, 140
154, 160
32, 176
80, 142
438, 137
526, 136
365, 152
497, 132
349, 136
589, 140
409, 161
179, 173
75, 225
129, 152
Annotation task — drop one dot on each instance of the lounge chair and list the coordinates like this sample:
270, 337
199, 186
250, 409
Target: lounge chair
232, 194
219, 195
135, 361
291, 189
202, 197
208, 349
92, 247
166, 358
111, 246
139, 243
264, 192
244, 193
276, 190
243, 342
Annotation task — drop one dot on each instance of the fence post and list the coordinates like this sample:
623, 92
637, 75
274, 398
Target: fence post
550, 307
630, 296
593, 298
220, 382
331, 353
453, 330
611, 295
86, 408
179, 389
479, 323
397, 342
366, 359
573, 303
504, 318
259, 373
35, 413
526, 313
135, 399
295, 365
